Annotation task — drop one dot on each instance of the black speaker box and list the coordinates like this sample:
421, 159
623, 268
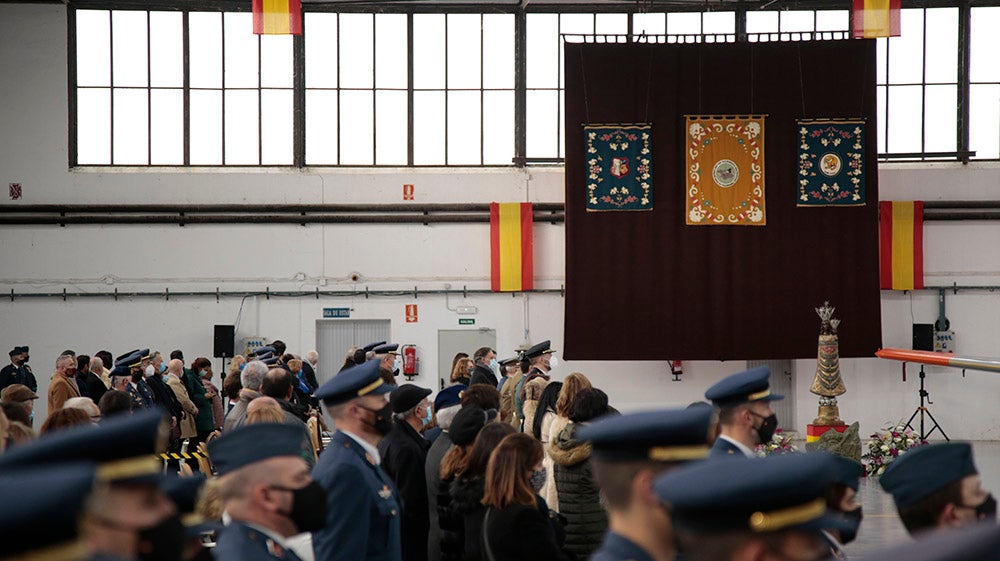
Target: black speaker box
923, 336
225, 340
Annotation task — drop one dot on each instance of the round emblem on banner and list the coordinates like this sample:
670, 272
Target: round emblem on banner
725, 173
830, 164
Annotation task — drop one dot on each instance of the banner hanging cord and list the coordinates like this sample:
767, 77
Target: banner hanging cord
583, 78
649, 82
802, 86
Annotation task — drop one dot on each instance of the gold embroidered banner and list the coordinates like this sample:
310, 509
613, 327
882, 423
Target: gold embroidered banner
725, 170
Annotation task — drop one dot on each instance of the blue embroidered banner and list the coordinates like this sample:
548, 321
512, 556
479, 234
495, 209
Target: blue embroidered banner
619, 173
831, 162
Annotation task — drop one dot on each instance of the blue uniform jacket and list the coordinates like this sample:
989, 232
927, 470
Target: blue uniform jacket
239, 542
619, 548
724, 449
363, 510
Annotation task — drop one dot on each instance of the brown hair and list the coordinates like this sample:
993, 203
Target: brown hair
487, 439
483, 396
571, 386
232, 385
199, 363
294, 365
923, 514
461, 369
506, 479
65, 418
615, 478
455, 460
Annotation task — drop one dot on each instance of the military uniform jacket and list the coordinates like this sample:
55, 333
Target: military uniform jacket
363, 509
619, 548
11, 375
724, 449
239, 542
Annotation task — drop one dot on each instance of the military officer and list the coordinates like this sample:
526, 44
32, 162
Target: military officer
131, 364
628, 453
349, 471
745, 415
128, 516
842, 498
540, 359
187, 495
744, 508
267, 490
18, 371
980, 542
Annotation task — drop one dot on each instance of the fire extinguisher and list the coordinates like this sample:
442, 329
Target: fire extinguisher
677, 369
410, 361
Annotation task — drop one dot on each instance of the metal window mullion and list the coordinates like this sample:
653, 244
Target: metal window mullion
111, 85
446, 91
887, 90
186, 77
299, 97
482, 96
222, 114
964, 93
71, 81
340, 115
409, 90
923, 86
520, 90
260, 101
149, 94
374, 89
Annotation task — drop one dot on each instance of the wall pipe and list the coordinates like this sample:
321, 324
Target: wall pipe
217, 294
302, 219
259, 208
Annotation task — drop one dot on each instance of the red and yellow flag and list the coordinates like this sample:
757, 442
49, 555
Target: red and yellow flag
901, 228
511, 247
277, 17
875, 18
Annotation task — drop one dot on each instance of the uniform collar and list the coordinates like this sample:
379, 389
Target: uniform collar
742, 447
624, 548
368, 448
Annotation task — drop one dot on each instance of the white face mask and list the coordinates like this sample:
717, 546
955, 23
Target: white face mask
149, 371
553, 362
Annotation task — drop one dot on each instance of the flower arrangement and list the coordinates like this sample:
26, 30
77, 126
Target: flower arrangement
888, 444
781, 443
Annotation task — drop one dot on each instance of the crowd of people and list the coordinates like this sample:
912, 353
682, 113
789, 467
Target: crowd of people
142, 458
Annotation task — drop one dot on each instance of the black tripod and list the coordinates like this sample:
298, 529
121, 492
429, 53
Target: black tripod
923, 410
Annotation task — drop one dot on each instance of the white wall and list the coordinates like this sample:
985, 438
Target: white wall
33, 152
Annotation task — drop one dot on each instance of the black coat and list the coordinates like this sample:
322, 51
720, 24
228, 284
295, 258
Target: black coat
579, 495
404, 453
466, 502
432, 473
522, 533
483, 375
90, 386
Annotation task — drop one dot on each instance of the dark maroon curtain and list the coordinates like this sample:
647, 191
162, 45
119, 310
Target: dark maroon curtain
643, 285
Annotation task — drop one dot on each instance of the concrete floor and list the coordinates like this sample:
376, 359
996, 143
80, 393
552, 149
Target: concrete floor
881, 526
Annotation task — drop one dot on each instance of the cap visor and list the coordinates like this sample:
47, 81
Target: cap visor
773, 397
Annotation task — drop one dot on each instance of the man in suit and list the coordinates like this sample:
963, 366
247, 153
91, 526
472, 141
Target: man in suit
349, 471
485, 367
745, 415
267, 490
404, 453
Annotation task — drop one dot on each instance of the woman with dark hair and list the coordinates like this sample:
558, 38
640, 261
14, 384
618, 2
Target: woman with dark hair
546, 408
467, 489
64, 418
517, 525
579, 495
231, 388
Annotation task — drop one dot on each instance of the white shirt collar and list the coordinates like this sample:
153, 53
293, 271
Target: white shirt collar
371, 450
743, 448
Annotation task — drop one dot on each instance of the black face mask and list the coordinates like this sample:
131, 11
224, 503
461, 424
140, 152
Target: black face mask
383, 419
854, 517
766, 429
987, 510
163, 542
308, 507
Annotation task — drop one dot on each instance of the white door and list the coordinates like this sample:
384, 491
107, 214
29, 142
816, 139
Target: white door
335, 336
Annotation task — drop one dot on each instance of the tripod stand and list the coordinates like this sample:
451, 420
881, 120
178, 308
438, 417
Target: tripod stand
923, 410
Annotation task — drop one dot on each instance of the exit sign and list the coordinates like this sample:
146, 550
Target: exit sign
467, 321
336, 312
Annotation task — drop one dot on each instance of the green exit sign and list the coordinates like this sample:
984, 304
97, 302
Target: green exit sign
467, 321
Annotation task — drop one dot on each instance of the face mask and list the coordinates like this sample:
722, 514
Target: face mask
308, 507
26, 359
987, 510
383, 419
397, 365
427, 417
31, 416
149, 371
495, 366
553, 362
538, 479
766, 429
203, 373
165, 377
854, 517
242, 366
162, 542
163, 367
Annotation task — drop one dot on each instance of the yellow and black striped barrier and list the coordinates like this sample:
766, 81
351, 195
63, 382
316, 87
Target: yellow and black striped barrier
182, 456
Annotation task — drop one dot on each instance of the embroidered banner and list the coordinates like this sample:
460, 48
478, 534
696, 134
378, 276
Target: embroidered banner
901, 229
725, 170
511, 247
831, 162
619, 176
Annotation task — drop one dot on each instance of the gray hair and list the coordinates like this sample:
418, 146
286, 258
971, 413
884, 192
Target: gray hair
100, 364
65, 357
83, 403
447, 415
312, 356
253, 375
402, 416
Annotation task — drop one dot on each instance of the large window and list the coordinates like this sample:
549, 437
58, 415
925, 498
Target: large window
416, 88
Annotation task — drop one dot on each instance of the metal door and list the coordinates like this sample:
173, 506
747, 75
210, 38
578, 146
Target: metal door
454, 341
781, 383
335, 336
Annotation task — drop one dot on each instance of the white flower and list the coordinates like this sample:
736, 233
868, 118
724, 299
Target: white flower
909, 442
885, 448
881, 470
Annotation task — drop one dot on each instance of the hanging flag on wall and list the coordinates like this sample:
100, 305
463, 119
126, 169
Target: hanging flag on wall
901, 228
875, 18
277, 17
619, 175
724, 168
511, 247
831, 162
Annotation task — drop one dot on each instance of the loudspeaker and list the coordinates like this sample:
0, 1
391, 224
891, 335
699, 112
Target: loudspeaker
225, 340
923, 336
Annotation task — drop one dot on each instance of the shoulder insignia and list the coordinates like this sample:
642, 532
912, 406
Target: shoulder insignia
370, 459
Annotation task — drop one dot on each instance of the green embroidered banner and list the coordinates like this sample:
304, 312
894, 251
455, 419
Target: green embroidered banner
619, 174
831, 162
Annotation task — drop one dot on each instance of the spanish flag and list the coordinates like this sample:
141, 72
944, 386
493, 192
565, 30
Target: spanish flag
875, 18
277, 17
511, 247
901, 228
